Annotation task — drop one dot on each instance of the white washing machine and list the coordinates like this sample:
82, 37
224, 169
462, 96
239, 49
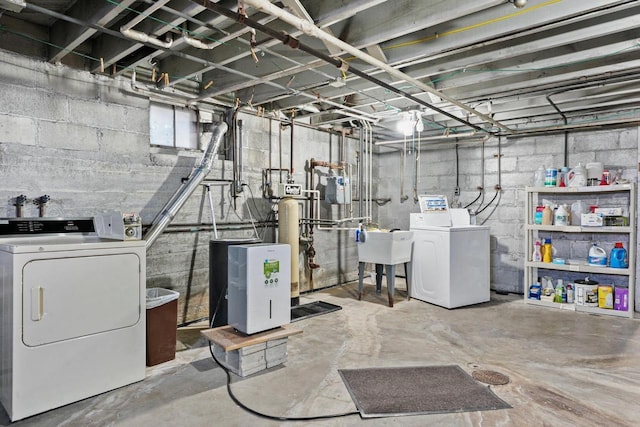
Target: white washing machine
450, 264
73, 314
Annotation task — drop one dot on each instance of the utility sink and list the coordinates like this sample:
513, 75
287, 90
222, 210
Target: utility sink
385, 247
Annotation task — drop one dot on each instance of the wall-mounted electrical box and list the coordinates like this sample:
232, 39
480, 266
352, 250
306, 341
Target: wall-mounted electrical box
259, 292
338, 190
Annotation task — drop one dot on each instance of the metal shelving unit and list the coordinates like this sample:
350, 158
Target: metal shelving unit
531, 269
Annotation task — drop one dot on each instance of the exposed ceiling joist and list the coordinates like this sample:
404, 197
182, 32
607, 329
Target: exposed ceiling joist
459, 57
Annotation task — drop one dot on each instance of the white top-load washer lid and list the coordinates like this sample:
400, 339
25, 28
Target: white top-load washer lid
460, 220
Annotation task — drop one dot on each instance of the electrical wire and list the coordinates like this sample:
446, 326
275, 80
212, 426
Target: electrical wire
231, 208
253, 200
268, 416
474, 200
470, 27
253, 223
268, 219
488, 204
494, 208
228, 373
237, 401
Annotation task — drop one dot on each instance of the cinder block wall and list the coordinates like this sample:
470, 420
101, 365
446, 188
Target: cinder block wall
519, 159
83, 140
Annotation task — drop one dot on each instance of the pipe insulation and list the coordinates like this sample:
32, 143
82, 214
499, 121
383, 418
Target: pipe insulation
145, 38
183, 193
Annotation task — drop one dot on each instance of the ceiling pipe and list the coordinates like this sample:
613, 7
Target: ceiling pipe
128, 32
310, 29
155, 6
199, 44
145, 38
296, 44
183, 193
448, 136
180, 54
577, 127
566, 122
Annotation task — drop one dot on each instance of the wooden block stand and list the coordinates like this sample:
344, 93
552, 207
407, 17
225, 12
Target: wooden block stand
247, 354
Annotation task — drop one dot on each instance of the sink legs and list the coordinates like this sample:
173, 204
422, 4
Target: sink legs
391, 275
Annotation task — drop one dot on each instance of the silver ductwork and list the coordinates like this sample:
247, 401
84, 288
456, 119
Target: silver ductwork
176, 202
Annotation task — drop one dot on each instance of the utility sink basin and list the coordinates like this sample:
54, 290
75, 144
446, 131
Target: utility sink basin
385, 247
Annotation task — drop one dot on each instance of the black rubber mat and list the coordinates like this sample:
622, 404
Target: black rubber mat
311, 309
383, 392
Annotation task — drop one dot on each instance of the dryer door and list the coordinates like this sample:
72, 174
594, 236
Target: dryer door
67, 298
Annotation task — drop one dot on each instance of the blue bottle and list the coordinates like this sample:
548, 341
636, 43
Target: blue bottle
618, 258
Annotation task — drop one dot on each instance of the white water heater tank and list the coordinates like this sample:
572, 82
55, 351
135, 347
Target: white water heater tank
259, 286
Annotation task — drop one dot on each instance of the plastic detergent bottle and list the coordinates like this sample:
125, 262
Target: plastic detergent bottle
562, 215
547, 251
547, 215
618, 258
537, 217
597, 256
577, 209
536, 256
559, 291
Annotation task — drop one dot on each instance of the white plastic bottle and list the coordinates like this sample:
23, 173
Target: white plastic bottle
562, 215
577, 209
547, 215
536, 256
538, 177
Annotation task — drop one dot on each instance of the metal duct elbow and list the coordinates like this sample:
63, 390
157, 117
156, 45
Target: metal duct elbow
183, 193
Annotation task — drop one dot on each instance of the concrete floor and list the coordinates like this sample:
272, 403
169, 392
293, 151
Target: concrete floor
566, 369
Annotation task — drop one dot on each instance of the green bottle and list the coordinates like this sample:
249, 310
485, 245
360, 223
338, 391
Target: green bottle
559, 291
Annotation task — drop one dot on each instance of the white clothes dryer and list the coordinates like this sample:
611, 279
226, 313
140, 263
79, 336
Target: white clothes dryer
73, 314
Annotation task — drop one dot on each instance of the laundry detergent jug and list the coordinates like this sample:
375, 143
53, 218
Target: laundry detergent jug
578, 176
597, 256
618, 258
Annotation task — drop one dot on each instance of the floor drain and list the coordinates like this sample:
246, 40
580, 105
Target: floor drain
490, 377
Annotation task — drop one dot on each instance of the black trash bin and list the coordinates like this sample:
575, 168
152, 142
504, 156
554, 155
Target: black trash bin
162, 320
218, 270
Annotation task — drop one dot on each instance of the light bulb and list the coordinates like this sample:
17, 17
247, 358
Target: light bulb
519, 3
406, 125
